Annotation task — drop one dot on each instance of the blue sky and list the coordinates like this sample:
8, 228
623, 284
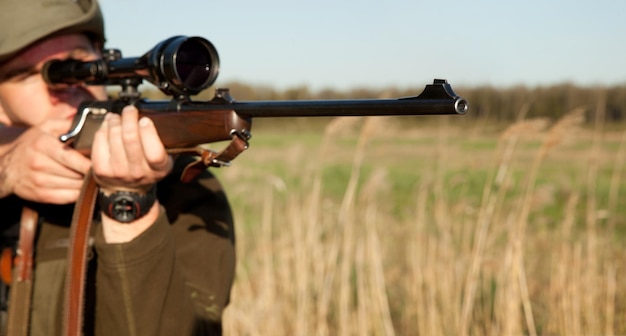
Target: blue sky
343, 44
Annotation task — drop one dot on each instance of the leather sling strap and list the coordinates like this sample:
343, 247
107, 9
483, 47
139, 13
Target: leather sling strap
77, 258
22, 282
208, 158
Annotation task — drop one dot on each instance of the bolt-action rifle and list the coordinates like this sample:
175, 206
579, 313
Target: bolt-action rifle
182, 67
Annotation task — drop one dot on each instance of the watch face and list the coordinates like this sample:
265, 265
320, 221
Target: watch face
126, 206
123, 208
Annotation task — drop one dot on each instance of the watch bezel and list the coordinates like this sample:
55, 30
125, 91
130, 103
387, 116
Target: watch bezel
126, 206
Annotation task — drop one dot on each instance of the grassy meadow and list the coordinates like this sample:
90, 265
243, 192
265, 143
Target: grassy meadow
430, 226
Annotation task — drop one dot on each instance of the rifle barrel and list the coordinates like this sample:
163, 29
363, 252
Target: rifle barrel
334, 108
436, 99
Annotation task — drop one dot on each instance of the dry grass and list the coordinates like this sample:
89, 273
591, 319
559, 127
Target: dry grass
532, 250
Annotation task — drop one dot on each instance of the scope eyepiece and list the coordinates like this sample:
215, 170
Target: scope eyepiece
180, 65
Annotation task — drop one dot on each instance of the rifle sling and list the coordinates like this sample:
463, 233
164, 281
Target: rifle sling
77, 258
21, 288
208, 158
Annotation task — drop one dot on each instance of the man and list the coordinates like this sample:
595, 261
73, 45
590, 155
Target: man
169, 269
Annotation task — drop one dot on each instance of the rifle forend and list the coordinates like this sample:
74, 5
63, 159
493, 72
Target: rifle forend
183, 66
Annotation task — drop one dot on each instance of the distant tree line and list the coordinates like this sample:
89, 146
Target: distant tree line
499, 104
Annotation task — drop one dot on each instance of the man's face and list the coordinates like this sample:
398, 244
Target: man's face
26, 99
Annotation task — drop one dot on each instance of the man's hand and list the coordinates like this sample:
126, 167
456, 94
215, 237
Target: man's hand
127, 154
36, 166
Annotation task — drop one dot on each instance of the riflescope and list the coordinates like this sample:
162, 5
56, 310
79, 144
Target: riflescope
180, 65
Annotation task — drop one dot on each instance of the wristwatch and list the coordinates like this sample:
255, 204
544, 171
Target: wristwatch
126, 206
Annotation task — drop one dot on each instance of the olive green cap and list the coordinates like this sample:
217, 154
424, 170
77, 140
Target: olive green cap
23, 22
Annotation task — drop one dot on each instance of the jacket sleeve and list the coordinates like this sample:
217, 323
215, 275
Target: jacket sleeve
176, 277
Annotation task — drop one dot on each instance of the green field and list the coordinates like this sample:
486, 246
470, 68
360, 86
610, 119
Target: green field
433, 226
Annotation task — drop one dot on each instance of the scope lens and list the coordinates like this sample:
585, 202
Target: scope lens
183, 65
193, 64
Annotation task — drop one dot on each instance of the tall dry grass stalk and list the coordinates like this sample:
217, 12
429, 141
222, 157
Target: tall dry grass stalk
499, 180
616, 181
312, 265
555, 135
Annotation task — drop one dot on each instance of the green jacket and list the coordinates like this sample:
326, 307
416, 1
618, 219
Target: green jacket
174, 279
